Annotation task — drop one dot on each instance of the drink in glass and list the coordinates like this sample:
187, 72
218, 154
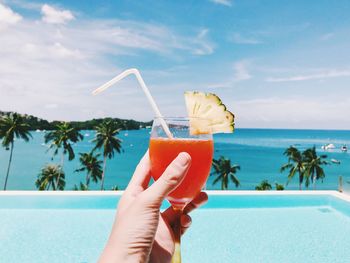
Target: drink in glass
163, 150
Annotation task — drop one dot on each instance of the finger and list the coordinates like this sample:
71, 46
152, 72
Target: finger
199, 200
185, 221
142, 174
169, 180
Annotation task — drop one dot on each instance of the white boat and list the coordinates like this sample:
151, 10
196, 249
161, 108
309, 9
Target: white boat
335, 161
344, 148
328, 146
126, 134
87, 134
38, 130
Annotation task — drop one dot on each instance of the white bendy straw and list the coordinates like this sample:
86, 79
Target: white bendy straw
145, 90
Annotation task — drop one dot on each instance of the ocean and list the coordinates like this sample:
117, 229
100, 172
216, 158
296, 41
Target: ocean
259, 152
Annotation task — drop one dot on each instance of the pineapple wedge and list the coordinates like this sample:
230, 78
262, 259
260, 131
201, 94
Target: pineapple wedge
207, 114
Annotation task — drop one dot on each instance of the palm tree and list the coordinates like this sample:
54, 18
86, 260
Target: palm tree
225, 171
63, 137
11, 127
48, 176
92, 166
313, 166
106, 138
295, 164
115, 188
81, 187
263, 186
279, 187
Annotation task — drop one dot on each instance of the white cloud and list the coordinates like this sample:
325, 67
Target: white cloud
237, 38
321, 75
222, 2
8, 16
52, 15
241, 70
46, 66
205, 47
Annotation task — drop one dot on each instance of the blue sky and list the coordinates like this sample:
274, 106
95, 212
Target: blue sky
275, 64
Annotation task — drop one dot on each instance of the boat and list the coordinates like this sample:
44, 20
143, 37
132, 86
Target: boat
328, 146
38, 130
344, 148
87, 134
335, 161
126, 134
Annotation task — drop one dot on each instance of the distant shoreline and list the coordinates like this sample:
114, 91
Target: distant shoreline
36, 123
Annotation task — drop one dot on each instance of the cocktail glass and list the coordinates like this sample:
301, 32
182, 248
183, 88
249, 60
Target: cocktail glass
163, 150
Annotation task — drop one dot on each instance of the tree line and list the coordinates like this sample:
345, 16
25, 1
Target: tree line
36, 123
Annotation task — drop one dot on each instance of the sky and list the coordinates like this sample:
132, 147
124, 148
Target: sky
274, 63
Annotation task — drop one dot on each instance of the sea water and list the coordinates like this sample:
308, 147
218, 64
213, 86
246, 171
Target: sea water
259, 152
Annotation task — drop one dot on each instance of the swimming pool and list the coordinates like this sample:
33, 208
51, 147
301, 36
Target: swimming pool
234, 226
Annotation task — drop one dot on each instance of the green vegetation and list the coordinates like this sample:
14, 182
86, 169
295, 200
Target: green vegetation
36, 123
92, 165
263, 186
63, 137
81, 187
313, 166
12, 126
115, 188
51, 176
225, 172
295, 164
279, 187
307, 164
106, 138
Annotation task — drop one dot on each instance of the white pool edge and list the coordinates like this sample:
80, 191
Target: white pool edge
334, 193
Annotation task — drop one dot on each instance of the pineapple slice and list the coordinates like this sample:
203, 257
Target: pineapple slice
208, 114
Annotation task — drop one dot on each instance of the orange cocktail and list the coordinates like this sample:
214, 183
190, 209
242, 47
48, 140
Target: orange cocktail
164, 147
164, 150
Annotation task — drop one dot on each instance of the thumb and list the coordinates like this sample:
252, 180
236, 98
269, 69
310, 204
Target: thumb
170, 179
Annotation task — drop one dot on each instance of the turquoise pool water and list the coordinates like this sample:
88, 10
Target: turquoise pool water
237, 228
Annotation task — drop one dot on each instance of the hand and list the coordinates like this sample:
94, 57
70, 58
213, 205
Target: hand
140, 232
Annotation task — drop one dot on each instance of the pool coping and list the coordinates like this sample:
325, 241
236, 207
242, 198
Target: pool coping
334, 193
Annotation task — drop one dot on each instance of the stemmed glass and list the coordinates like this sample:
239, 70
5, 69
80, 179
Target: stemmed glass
163, 150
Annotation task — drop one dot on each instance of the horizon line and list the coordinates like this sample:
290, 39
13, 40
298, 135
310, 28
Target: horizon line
251, 128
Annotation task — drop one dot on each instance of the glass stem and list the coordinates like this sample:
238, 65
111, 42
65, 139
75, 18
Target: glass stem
177, 236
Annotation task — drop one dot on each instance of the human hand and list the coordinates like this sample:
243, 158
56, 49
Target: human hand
140, 232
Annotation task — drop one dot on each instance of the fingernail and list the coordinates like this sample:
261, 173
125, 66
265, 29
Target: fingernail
183, 158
